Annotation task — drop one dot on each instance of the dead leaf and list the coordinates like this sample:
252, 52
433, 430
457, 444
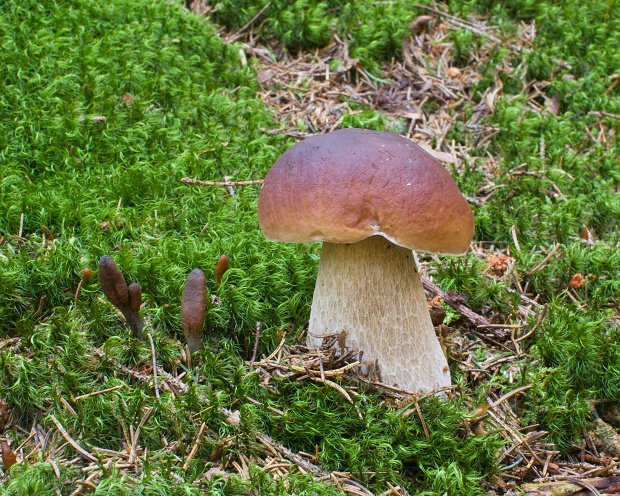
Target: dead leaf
8, 456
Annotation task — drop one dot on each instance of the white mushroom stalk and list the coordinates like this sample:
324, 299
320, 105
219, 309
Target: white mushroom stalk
372, 292
371, 198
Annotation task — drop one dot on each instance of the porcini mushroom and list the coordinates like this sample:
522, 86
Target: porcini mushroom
371, 198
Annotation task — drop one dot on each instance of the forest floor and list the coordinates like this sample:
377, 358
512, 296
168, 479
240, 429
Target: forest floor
137, 141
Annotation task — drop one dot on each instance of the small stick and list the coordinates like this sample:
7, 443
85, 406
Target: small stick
154, 365
392, 490
54, 467
515, 239
326, 373
237, 35
539, 320
67, 405
458, 305
419, 411
21, 225
500, 326
604, 114
542, 264
192, 453
289, 455
72, 442
96, 393
509, 394
259, 325
136, 434
275, 352
189, 180
77, 292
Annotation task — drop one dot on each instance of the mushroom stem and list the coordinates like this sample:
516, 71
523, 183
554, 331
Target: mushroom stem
372, 291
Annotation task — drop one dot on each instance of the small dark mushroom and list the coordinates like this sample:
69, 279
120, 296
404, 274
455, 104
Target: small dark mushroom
221, 268
135, 302
113, 283
194, 309
135, 296
86, 275
126, 298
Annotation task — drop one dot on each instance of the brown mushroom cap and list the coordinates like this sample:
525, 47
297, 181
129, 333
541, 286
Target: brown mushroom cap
347, 185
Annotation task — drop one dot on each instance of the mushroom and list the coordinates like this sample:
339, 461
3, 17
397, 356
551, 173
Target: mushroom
371, 198
126, 298
194, 309
221, 268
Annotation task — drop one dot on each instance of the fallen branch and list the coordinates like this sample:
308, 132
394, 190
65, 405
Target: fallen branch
456, 302
235, 36
189, 180
575, 485
136, 436
194, 450
542, 264
72, 442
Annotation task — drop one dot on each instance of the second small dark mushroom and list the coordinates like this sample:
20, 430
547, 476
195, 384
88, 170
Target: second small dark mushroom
221, 268
194, 309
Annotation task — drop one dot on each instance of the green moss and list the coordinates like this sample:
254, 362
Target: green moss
101, 171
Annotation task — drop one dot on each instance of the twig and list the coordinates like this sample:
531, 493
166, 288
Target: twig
539, 320
21, 225
422, 421
189, 180
96, 393
275, 352
237, 35
294, 457
514, 238
71, 441
542, 264
341, 390
154, 365
524, 298
192, 453
77, 292
326, 373
136, 435
500, 326
508, 395
604, 114
456, 303
256, 341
